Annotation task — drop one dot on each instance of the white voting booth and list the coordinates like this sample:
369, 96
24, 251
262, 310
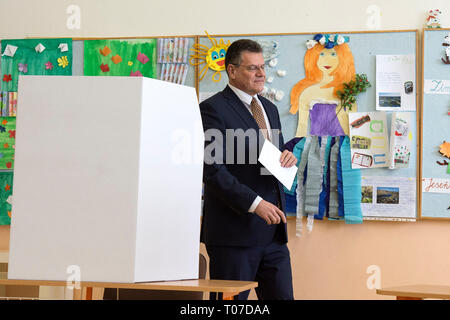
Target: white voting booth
107, 180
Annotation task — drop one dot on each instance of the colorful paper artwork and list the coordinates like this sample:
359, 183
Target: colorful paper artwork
213, 57
142, 58
173, 59
6, 187
328, 65
113, 57
446, 44
444, 149
433, 19
401, 137
8, 104
368, 140
34, 57
7, 142
117, 59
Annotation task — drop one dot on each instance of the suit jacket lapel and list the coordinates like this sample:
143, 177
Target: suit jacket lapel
239, 107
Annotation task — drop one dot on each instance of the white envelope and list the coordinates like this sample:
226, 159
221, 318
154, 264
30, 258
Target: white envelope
270, 158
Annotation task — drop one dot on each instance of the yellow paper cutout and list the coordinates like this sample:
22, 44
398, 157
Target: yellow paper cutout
214, 57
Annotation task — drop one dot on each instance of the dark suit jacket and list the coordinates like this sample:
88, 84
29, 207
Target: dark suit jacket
230, 187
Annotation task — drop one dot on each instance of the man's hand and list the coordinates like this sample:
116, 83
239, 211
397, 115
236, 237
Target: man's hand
288, 159
270, 213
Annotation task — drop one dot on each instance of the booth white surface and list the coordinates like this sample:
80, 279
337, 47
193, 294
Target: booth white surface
107, 178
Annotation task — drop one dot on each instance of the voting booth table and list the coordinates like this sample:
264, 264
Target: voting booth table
107, 180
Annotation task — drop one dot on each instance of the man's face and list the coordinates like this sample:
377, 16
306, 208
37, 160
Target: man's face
243, 77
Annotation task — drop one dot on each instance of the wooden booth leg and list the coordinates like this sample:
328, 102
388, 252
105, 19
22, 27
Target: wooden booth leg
88, 293
408, 298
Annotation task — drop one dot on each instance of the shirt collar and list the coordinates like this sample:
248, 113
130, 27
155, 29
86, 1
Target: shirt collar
244, 97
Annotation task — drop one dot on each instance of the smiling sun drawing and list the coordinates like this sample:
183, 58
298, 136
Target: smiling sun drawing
214, 57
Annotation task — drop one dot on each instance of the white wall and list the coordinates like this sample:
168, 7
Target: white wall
115, 18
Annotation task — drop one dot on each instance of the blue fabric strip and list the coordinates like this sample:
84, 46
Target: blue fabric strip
340, 188
332, 178
325, 193
351, 179
297, 151
315, 177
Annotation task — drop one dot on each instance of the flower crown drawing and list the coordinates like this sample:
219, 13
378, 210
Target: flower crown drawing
327, 40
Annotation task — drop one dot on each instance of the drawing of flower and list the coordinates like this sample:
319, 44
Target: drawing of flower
136, 74
63, 62
23, 67
116, 59
12, 133
7, 77
49, 66
142, 58
2, 129
104, 67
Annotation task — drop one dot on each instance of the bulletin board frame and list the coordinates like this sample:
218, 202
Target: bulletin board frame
426, 64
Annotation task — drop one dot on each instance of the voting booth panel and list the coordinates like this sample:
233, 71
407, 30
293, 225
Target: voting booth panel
100, 191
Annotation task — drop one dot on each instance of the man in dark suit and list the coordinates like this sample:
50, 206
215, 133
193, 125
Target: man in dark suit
243, 226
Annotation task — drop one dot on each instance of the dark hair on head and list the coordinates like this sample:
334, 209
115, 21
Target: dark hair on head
234, 51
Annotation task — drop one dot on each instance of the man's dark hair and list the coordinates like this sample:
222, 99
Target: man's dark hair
234, 51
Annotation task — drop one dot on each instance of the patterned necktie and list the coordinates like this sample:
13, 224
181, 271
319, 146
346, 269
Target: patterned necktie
259, 117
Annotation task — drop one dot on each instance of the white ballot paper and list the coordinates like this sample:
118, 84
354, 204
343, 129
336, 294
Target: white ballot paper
270, 158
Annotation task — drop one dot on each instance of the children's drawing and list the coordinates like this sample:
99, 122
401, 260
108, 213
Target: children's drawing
7, 142
369, 140
112, 57
213, 58
434, 19
33, 57
328, 65
6, 187
401, 137
332, 188
444, 149
446, 45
